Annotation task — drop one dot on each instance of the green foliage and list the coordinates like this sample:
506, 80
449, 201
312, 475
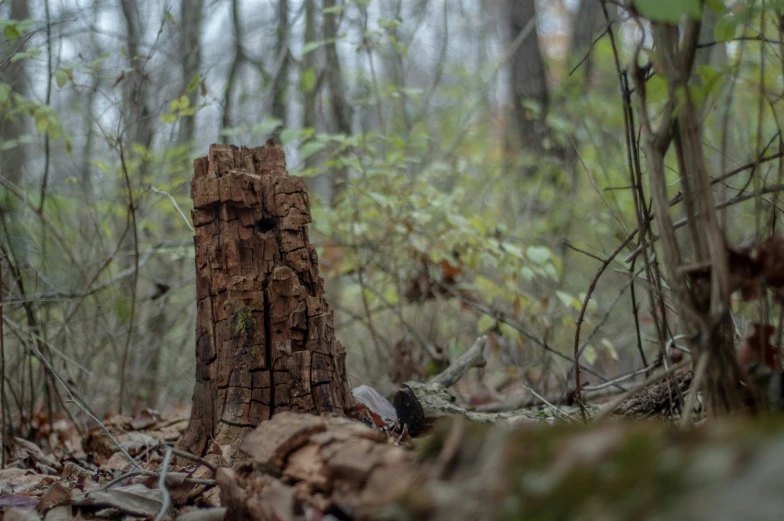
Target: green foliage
669, 10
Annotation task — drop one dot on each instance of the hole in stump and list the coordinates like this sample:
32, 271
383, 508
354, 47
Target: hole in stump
265, 224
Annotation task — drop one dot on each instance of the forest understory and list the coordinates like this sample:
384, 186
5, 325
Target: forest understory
503, 259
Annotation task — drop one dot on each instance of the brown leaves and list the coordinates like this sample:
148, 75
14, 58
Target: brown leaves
380, 410
758, 267
757, 348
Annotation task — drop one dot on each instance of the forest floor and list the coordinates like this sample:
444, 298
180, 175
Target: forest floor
304, 467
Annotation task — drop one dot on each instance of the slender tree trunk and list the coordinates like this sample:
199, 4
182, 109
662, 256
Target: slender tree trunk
309, 67
226, 118
528, 80
281, 84
190, 59
138, 119
340, 120
586, 24
339, 109
15, 74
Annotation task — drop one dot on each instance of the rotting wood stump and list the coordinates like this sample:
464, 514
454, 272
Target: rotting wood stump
303, 467
265, 341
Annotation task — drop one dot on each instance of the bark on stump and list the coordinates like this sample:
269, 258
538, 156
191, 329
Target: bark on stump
264, 332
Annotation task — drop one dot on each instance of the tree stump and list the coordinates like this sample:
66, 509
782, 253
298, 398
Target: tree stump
264, 333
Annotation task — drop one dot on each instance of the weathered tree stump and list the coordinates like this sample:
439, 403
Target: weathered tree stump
264, 332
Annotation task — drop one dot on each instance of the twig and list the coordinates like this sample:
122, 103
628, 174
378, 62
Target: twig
41, 215
83, 405
135, 283
176, 206
501, 317
699, 374
590, 49
153, 474
547, 403
166, 502
587, 253
474, 357
619, 379
577, 393
600, 324
192, 457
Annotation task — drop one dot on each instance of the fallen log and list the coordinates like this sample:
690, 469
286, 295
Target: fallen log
419, 405
299, 464
301, 468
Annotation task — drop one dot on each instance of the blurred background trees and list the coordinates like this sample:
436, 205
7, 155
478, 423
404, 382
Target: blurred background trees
466, 159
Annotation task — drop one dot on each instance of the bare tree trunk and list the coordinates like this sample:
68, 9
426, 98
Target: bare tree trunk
190, 58
340, 119
586, 25
15, 74
395, 71
340, 111
280, 88
235, 65
137, 115
309, 67
528, 80
264, 332
87, 153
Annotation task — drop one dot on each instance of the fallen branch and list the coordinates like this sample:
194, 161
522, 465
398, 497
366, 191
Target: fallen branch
419, 405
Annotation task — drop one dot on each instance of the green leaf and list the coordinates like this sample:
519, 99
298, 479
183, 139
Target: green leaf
610, 348
98, 61
710, 77
11, 32
308, 149
8, 145
538, 254
725, 28
41, 122
308, 80
717, 6
5, 93
589, 353
61, 77
312, 46
233, 131
670, 11
170, 17
484, 324
185, 102
266, 127
30, 53
510, 333
566, 299
337, 9
194, 83
656, 89
289, 135
169, 117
